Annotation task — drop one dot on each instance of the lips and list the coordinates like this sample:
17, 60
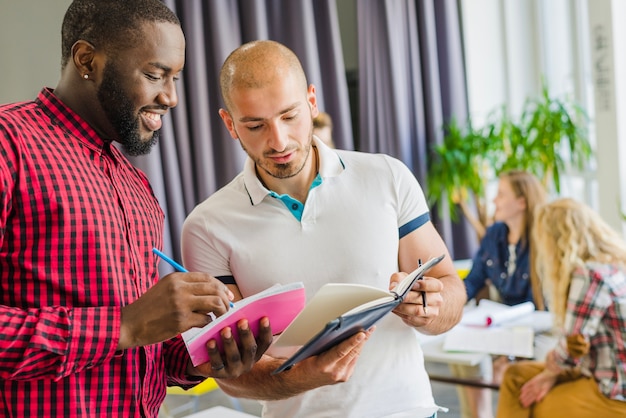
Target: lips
152, 121
283, 159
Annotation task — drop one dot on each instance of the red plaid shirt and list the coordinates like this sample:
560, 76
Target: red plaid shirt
77, 226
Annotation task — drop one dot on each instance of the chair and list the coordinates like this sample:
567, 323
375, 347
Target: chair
207, 386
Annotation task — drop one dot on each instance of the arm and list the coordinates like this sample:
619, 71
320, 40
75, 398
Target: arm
333, 366
588, 300
445, 292
55, 342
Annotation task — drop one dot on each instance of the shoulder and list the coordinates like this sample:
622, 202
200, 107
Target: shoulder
496, 230
602, 274
233, 193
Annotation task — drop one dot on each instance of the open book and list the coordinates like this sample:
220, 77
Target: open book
496, 328
280, 303
340, 310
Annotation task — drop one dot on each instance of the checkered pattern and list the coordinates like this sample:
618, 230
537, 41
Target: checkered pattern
596, 308
77, 226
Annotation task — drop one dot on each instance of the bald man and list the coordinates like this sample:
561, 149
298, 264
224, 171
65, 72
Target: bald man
301, 211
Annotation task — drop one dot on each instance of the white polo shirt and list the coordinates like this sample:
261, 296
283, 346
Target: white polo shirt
349, 231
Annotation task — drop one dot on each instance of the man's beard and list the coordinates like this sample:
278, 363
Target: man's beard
281, 171
119, 110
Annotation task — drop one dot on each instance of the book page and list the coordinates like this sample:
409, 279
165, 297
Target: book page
330, 302
514, 341
490, 313
407, 283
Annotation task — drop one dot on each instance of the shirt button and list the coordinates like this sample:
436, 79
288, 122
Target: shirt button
503, 275
294, 206
489, 262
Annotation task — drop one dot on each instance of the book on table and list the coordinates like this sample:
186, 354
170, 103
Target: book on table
340, 310
280, 303
496, 328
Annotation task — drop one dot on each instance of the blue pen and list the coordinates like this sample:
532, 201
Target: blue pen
177, 266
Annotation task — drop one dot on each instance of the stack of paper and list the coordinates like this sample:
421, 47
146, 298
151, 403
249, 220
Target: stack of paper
495, 328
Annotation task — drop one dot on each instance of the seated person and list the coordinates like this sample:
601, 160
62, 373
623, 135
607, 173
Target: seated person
582, 261
502, 263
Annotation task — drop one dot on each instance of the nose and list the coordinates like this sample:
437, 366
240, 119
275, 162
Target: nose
168, 95
278, 137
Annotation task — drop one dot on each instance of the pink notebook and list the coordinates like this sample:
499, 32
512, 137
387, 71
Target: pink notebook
280, 303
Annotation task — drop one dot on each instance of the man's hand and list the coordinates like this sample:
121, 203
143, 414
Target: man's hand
176, 303
235, 360
412, 310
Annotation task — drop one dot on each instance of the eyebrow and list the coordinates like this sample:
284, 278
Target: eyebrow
162, 67
257, 119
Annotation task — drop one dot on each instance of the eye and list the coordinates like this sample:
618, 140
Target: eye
152, 77
254, 127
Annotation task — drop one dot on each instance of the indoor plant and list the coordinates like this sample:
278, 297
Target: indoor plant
549, 135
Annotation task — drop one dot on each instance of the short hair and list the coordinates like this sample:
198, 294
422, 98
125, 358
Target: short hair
254, 64
109, 24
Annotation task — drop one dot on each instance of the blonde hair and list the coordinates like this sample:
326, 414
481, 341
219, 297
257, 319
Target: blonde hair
567, 234
527, 186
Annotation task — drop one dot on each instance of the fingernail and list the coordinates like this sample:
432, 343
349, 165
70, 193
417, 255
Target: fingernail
227, 333
360, 337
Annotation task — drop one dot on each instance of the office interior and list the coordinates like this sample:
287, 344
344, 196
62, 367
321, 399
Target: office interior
577, 47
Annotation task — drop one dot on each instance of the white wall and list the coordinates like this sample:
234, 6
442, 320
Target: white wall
30, 46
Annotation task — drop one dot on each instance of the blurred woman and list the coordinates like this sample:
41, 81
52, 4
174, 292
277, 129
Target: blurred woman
582, 263
502, 264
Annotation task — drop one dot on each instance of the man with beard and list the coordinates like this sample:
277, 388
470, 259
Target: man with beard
88, 328
301, 211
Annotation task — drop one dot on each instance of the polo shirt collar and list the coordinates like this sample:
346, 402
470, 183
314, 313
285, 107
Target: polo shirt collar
330, 165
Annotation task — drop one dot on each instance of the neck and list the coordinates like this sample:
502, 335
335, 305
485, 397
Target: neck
516, 230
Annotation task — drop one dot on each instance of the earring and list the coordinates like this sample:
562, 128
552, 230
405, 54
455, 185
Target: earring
86, 76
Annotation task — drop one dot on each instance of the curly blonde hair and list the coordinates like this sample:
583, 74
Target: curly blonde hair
566, 235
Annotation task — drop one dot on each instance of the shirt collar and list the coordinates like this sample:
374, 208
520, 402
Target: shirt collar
330, 165
64, 117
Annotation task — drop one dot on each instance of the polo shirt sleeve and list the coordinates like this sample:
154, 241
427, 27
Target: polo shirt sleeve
411, 203
201, 250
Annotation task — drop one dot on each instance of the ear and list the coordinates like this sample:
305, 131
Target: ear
83, 57
312, 99
228, 121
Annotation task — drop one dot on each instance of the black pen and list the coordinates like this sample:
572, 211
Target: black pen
419, 264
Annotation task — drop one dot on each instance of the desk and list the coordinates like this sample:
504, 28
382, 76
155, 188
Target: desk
432, 347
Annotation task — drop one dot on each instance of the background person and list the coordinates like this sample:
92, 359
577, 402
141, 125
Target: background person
323, 128
503, 264
86, 328
582, 263
301, 211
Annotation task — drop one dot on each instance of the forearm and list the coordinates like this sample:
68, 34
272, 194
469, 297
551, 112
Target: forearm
451, 309
55, 342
